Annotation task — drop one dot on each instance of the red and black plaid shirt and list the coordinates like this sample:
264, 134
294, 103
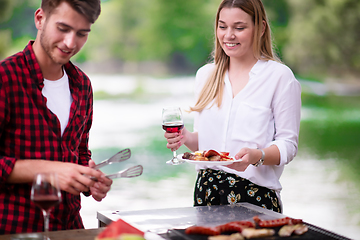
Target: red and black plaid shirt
29, 130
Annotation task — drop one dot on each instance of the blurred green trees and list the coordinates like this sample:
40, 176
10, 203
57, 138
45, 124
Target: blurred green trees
176, 32
5, 37
324, 37
16, 25
315, 38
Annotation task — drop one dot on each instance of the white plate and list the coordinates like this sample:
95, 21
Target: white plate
208, 163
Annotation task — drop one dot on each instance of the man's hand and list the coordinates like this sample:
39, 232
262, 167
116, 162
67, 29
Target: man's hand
101, 187
74, 178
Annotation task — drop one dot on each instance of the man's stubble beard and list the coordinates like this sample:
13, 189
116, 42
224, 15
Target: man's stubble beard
46, 45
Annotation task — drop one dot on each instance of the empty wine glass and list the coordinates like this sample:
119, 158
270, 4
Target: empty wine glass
172, 122
45, 193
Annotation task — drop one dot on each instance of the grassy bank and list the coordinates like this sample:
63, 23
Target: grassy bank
333, 131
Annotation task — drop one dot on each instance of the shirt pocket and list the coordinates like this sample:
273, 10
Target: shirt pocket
251, 123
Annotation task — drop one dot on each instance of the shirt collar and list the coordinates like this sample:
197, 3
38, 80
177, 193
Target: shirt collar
35, 70
32, 64
257, 67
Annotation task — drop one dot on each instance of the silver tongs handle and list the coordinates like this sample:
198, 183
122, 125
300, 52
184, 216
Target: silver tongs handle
118, 157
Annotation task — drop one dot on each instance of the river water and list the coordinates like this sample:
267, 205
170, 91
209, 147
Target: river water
312, 189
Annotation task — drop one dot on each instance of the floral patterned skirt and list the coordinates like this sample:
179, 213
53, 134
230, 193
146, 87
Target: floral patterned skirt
216, 187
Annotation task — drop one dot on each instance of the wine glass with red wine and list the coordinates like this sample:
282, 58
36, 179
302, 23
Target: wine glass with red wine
45, 193
172, 122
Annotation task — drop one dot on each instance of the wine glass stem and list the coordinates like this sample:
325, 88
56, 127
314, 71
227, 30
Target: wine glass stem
46, 224
174, 154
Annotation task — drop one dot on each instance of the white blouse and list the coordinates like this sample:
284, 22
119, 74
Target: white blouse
265, 112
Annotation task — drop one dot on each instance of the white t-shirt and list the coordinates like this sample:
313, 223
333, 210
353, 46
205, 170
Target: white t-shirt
57, 93
265, 112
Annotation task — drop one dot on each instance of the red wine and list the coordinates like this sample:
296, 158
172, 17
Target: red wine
46, 202
173, 127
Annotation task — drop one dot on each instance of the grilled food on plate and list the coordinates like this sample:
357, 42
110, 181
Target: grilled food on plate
209, 155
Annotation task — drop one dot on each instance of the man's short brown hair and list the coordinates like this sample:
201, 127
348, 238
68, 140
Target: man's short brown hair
89, 8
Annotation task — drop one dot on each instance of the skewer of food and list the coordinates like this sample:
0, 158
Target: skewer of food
247, 229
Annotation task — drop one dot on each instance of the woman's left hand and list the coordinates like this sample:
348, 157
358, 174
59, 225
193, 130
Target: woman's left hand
248, 156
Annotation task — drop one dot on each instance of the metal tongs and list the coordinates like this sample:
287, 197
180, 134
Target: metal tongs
130, 172
119, 157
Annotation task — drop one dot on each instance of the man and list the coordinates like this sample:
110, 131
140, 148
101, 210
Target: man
45, 117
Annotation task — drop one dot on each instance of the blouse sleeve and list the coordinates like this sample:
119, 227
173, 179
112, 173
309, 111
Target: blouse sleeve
287, 110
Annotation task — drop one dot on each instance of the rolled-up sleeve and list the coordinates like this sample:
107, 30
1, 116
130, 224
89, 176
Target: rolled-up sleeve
6, 163
287, 110
6, 167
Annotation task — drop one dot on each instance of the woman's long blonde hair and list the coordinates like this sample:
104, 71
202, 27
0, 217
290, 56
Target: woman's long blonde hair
262, 48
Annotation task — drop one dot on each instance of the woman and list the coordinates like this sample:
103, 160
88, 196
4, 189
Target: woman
248, 105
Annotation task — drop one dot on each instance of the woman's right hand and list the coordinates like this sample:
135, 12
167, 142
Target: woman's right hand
175, 140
